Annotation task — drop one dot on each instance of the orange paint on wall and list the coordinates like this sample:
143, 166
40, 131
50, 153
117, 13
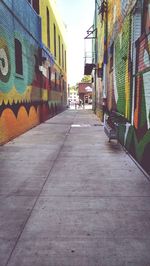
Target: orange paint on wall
34, 116
26, 122
11, 127
8, 125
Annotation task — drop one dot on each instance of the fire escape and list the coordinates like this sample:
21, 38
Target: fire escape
91, 57
89, 62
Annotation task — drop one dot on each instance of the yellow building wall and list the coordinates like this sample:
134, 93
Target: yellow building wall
100, 33
60, 29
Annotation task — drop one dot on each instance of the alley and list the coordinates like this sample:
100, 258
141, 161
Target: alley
70, 198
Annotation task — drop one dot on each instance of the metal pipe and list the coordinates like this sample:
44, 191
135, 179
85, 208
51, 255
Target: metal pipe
95, 73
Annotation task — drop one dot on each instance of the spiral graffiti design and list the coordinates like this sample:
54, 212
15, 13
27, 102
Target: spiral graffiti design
4, 62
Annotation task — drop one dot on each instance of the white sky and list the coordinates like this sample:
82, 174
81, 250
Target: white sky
78, 16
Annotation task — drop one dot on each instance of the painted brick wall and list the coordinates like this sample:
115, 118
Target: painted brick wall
128, 74
18, 111
26, 97
58, 69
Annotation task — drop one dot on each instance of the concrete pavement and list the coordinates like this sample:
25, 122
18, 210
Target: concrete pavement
70, 198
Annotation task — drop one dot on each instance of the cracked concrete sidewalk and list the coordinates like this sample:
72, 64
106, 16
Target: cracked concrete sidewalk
70, 198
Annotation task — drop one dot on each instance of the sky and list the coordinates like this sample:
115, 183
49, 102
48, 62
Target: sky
77, 15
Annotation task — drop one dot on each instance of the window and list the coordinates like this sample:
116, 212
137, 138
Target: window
60, 83
18, 57
48, 27
62, 56
35, 4
49, 76
55, 81
54, 40
59, 50
65, 61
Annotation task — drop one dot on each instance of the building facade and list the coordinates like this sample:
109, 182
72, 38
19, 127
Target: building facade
85, 92
122, 78
73, 95
32, 79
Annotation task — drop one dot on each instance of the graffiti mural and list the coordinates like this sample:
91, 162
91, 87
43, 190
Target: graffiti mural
128, 73
122, 75
142, 92
137, 136
127, 6
28, 93
18, 111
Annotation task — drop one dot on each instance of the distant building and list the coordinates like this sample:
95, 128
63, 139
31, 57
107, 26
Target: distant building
85, 92
73, 95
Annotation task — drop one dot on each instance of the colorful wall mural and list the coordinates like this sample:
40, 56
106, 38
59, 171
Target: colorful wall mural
30, 91
128, 74
53, 37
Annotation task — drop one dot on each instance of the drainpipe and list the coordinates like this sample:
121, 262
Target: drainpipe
95, 71
105, 57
